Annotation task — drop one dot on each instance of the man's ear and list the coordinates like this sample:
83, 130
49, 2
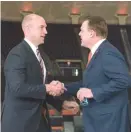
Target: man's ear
92, 33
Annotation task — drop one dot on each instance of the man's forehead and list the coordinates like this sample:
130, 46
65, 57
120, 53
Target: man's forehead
84, 24
40, 22
45, 23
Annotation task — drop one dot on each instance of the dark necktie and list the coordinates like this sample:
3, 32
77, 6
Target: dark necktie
42, 70
40, 61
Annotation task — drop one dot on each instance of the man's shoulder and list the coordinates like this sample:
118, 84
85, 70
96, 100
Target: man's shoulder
108, 47
18, 49
18, 53
110, 50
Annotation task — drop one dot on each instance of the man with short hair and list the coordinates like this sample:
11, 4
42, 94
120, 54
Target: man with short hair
105, 81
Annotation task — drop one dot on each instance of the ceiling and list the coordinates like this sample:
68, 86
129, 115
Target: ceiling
59, 11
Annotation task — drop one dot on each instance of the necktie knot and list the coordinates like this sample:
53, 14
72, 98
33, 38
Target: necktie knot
41, 62
89, 56
37, 51
39, 58
38, 55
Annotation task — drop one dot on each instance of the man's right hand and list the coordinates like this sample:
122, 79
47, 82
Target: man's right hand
55, 88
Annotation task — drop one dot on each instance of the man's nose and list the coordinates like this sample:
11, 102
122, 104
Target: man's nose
45, 31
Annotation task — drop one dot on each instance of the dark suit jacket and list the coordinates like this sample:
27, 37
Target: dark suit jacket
107, 76
25, 93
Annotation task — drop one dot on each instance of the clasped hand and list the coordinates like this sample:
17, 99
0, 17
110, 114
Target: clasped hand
55, 88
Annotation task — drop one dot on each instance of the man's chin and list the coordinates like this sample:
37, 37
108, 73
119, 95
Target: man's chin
82, 44
42, 41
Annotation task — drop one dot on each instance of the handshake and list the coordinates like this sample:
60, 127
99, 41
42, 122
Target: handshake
55, 88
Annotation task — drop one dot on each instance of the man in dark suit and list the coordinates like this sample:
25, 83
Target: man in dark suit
105, 81
26, 91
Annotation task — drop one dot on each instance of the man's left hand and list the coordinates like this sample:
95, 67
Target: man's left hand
84, 93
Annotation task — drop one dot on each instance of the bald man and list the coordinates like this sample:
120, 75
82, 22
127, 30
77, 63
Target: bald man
25, 74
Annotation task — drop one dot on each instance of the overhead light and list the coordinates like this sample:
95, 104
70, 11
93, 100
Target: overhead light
122, 9
75, 15
27, 8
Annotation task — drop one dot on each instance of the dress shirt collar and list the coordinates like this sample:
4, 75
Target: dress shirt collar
33, 47
95, 47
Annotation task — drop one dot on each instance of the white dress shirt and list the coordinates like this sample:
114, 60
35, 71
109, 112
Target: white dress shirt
96, 46
34, 48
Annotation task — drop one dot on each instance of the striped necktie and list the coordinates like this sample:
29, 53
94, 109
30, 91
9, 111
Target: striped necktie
42, 70
40, 61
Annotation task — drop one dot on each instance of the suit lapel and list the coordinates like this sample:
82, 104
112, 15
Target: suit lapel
32, 56
95, 55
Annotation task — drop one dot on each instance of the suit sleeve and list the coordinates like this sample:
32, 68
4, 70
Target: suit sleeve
73, 87
115, 69
15, 73
56, 102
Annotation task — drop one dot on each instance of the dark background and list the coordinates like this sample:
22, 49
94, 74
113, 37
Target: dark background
60, 42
